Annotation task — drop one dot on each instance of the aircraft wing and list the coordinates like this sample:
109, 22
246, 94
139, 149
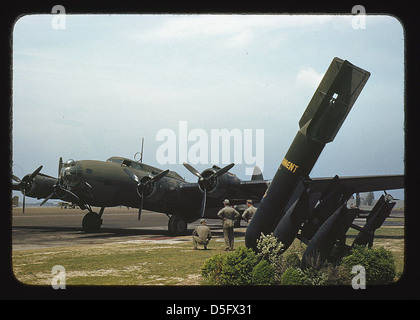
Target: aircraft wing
349, 184
47, 176
255, 189
360, 183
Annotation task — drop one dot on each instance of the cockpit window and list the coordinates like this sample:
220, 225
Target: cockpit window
137, 165
126, 163
142, 166
115, 160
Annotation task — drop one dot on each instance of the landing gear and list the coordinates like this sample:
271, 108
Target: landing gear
177, 225
92, 221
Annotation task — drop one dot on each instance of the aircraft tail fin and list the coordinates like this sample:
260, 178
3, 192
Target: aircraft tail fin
257, 174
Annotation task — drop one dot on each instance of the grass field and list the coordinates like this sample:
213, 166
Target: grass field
130, 263
142, 263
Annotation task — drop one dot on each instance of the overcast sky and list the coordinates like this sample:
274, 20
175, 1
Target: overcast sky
95, 88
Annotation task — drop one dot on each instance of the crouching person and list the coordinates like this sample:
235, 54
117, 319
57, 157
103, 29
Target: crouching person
201, 235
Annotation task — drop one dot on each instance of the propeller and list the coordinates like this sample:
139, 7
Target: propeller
60, 166
58, 188
146, 184
25, 184
206, 182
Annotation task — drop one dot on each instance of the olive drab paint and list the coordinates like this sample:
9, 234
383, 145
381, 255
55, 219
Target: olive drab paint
319, 125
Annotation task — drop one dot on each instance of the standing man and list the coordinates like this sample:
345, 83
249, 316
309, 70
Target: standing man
201, 235
228, 215
249, 212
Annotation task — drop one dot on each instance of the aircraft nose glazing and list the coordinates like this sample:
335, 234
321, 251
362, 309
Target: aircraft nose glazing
71, 173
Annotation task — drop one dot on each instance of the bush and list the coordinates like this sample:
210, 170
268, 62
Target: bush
378, 263
336, 275
263, 274
269, 266
269, 248
212, 268
293, 277
297, 276
293, 260
233, 269
237, 268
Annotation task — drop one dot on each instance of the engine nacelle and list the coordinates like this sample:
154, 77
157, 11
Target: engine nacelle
216, 187
155, 191
40, 187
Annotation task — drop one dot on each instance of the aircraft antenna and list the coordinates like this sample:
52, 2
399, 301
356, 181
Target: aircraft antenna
141, 152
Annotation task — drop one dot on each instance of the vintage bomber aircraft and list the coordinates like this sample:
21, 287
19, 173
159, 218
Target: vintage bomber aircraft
121, 181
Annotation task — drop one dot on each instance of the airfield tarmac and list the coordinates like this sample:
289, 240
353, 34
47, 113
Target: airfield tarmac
54, 227
44, 227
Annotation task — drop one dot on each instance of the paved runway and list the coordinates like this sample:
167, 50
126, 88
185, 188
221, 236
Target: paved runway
54, 227
46, 227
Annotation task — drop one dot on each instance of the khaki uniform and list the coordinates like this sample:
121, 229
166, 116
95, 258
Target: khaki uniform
249, 213
229, 215
202, 236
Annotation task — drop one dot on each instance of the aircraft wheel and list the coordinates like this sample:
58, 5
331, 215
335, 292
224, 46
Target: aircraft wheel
177, 225
91, 222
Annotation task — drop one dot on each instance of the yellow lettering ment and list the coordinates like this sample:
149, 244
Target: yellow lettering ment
289, 165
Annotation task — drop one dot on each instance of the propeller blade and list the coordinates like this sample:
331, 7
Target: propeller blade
141, 206
222, 171
60, 166
15, 178
192, 170
24, 196
32, 176
131, 175
139, 184
72, 194
46, 199
159, 176
203, 203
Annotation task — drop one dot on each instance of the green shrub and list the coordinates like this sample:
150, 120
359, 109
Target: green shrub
212, 268
263, 274
309, 276
336, 275
237, 267
293, 260
293, 277
269, 266
378, 263
269, 248
232, 269
315, 277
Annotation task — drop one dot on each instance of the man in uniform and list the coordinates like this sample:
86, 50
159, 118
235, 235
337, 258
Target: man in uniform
228, 215
201, 235
249, 212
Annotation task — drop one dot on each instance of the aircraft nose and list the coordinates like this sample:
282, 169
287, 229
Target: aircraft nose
71, 173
